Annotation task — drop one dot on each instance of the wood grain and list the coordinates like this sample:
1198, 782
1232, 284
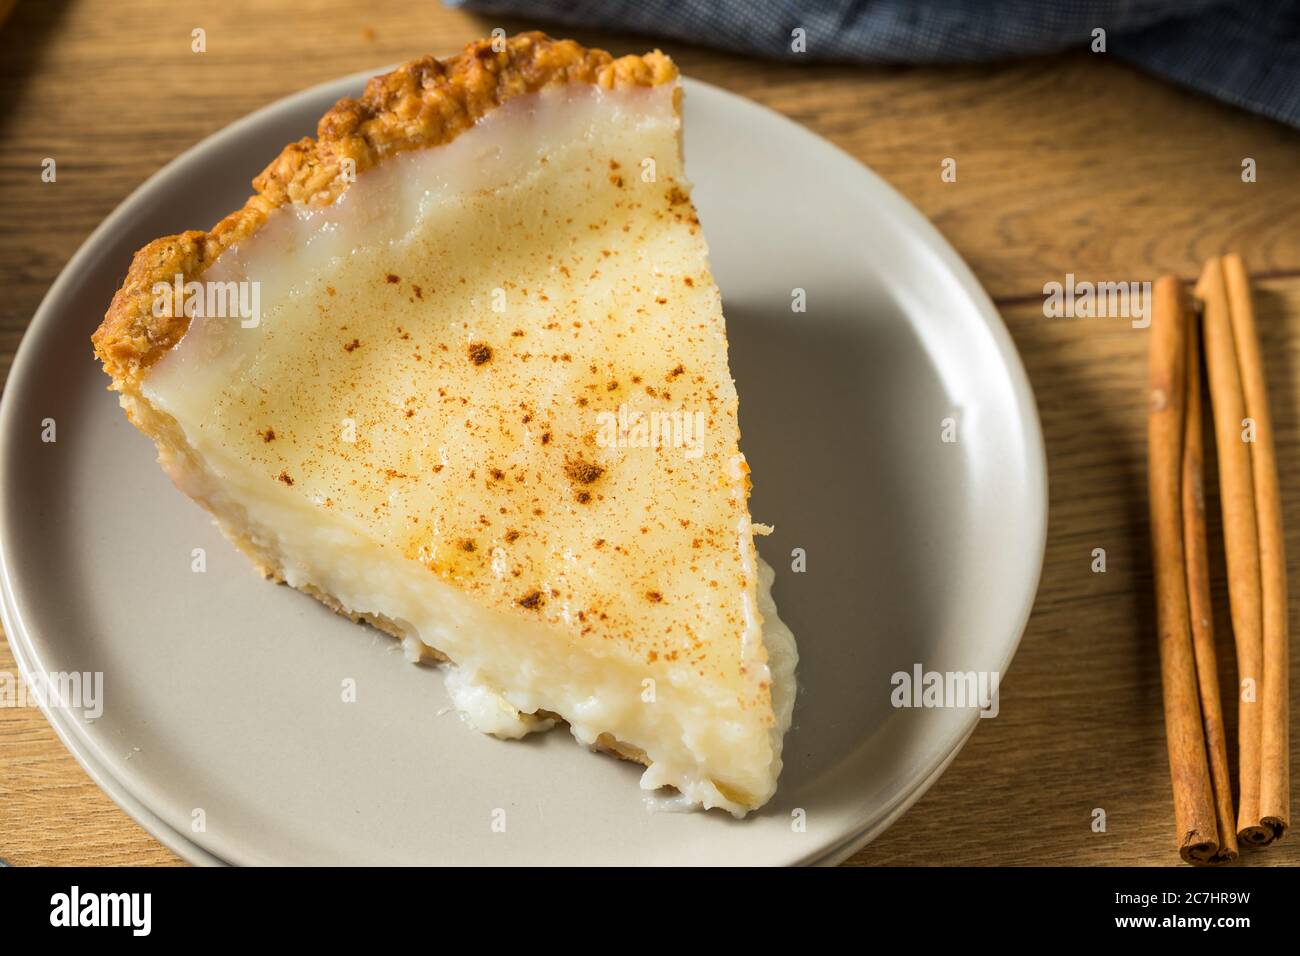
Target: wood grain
1080, 726
1074, 164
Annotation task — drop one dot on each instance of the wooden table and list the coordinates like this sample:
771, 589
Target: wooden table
1067, 164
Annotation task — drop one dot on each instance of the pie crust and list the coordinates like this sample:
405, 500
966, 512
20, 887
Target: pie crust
427, 102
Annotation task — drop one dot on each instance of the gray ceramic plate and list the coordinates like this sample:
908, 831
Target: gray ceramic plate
221, 692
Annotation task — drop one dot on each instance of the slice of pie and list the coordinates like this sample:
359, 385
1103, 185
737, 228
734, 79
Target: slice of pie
459, 370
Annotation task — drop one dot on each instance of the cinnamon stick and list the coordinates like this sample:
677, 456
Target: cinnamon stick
1194, 808
1274, 790
1241, 541
1196, 552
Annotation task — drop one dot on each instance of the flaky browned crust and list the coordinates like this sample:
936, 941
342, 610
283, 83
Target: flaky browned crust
426, 102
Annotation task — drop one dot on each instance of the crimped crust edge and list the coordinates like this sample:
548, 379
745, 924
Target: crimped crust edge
424, 103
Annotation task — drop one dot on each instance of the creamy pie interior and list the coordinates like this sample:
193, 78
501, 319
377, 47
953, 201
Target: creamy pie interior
484, 404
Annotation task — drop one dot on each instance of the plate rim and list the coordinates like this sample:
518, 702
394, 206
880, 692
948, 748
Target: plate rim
834, 851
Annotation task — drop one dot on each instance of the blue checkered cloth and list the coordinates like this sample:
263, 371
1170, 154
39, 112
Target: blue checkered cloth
1245, 52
